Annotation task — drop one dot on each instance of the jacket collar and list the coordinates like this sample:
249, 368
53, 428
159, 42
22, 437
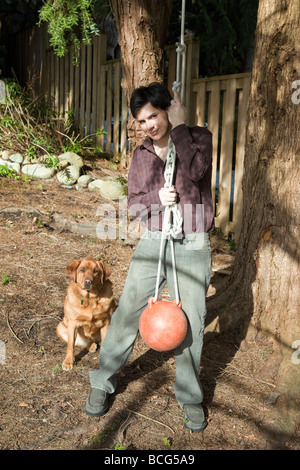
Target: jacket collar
148, 144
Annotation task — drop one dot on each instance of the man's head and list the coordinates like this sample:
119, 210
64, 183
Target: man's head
155, 94
149, 105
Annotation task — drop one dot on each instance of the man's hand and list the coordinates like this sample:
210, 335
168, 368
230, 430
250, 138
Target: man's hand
176, 112
168, 196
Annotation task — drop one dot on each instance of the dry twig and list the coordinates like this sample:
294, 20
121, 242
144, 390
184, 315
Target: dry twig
240, 373
11, 330
154, 420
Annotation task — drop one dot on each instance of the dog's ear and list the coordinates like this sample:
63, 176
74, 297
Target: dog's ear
106, 270
72, 270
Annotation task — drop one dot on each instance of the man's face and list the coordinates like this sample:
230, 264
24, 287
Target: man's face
154, 122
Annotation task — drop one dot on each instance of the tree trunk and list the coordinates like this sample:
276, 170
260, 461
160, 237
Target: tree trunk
142, 27
263, 294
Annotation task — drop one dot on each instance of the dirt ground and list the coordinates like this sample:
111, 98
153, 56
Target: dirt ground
42, 406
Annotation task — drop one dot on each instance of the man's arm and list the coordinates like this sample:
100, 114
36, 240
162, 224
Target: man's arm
193, 149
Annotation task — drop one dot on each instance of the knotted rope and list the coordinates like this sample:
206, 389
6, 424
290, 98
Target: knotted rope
172, 222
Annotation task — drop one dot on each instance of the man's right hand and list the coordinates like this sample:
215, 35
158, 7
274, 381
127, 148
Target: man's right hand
168, 196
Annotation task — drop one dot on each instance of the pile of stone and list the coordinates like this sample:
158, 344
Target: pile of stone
68, 173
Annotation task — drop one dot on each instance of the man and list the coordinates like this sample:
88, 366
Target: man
160, 117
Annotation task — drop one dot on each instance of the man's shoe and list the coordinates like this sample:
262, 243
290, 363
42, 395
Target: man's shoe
96, 404
194, 419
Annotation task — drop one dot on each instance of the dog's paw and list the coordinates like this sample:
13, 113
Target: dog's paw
67, 364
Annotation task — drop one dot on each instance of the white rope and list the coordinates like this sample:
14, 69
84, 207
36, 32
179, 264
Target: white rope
172, 223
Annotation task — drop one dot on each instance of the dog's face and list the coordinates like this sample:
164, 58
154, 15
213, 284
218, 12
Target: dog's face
88, 273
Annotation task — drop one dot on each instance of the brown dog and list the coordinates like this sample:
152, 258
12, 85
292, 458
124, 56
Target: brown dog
88, 307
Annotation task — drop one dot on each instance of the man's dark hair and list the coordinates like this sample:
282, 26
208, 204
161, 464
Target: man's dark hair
156, 94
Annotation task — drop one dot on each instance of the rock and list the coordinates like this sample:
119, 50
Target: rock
16, 158
69, 175
11, 165
72, 158
112, 190
63, 164
272, 398
84, 180
38, 171
108, 189
5, 154
95, 185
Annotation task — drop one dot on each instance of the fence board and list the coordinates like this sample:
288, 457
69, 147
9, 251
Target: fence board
226, 155
95, 84
56, 85
77, 95
72, 81
123, 149
101, 91
116, 139
213, 125
82, 115
61, 86
89, 75
200, 89
109, 108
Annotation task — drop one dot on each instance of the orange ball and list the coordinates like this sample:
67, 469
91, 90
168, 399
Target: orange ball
163, 325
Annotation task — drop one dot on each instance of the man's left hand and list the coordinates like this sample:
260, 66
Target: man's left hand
176, 112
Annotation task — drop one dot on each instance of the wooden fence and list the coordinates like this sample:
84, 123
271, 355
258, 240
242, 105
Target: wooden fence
92, 91
220, 103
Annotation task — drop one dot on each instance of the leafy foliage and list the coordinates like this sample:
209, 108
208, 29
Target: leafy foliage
70, 22
7, 172
28, 126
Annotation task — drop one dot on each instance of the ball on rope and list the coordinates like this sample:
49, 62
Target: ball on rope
163, 325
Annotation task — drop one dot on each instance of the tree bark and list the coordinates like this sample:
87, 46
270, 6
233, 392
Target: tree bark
263, 294
142, 27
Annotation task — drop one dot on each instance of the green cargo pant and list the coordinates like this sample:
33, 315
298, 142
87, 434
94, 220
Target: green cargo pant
193, 266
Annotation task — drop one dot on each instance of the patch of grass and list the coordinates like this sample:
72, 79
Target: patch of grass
6, 280
98, 438
8, 172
